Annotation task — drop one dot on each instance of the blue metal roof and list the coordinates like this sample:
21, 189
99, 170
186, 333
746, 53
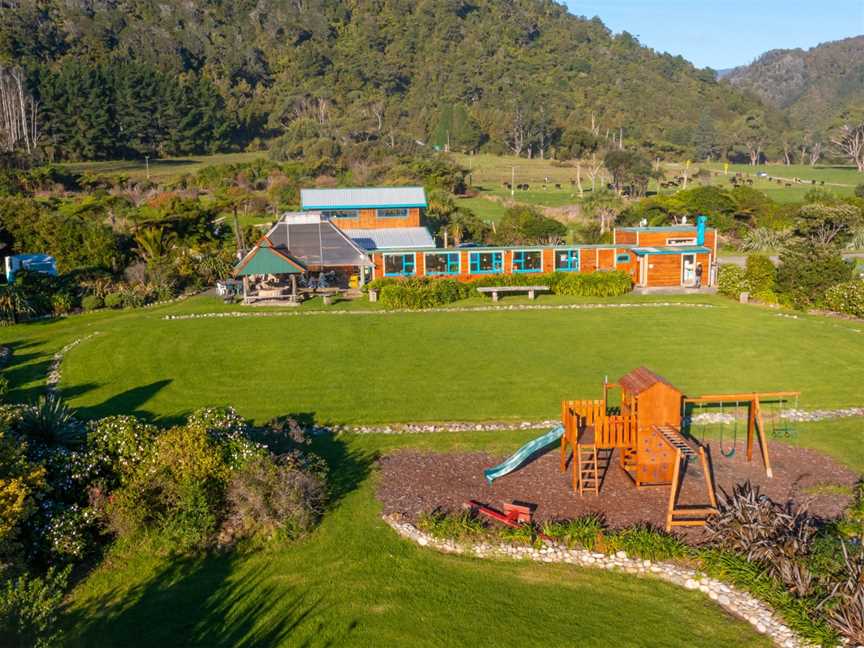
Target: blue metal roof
671, 249
363, 198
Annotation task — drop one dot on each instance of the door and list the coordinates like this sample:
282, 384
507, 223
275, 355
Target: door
688, 270
643, 270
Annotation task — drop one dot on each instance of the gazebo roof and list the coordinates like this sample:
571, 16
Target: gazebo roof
264, 258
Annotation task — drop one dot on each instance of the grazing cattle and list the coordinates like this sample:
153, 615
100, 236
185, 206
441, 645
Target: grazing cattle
812, 182
557, 186
750, 181
508, 185
788, 184
821, 183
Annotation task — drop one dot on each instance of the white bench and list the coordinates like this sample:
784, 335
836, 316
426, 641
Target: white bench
497, 290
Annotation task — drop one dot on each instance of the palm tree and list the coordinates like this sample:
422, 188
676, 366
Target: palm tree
154, 243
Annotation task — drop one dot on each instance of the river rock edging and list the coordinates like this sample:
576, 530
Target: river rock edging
738, 603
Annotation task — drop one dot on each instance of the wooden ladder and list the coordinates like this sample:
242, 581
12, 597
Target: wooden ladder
686, 516
586, 473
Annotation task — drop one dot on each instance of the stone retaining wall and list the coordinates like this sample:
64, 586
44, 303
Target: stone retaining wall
738, 603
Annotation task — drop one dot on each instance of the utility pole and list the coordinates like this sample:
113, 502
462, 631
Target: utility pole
512, 181
147, 164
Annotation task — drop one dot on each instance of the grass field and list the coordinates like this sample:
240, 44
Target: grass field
163, 170
353, 582
505, 365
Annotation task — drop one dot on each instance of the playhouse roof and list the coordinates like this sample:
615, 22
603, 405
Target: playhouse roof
641, 379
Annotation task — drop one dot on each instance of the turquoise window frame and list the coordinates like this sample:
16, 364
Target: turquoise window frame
573, 260
380, 212
622, 258
342, 213
409, 265
453, 264
497, 263
519, 257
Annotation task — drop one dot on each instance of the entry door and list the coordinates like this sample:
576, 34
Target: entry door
688, 269
643, 270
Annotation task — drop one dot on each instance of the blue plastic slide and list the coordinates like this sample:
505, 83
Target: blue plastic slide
523, 454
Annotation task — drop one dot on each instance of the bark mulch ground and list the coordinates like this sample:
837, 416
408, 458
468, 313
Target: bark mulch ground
413, 483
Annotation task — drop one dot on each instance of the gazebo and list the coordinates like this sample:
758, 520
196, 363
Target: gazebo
267, 259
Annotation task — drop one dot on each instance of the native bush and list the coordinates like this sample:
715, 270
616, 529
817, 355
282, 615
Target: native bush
808, 269
92, 302
462, 526
846, 297
646, 541
760, 274
30, 609
274, 496
118, 444
764, 239
4, 387
62, 303
229, 431
177, 490
731, 281
114, 300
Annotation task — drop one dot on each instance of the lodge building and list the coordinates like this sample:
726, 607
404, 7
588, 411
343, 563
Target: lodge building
379, 232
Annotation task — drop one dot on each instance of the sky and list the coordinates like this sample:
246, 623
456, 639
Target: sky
726, 33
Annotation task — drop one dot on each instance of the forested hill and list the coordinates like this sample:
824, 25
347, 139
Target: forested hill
119, 77
815, 86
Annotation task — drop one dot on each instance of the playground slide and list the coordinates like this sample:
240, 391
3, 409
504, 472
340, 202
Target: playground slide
522, 454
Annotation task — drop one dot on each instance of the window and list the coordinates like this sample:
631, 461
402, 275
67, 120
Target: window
340, 213
622, 258
399, 212
486, 262
681, 241
567, 260
527, 261
396, 265
440, 263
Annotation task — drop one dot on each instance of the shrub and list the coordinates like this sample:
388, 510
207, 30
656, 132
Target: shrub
760, 274
462, 526
846, 297
764, 239
92, 302
29, 609
271, 496
808, 269
114, 300
118, 444
4, 387
595, 284
51, 422
177, 490
647, 542
420, 293
62, 303
859, 190
21, 483
731, 281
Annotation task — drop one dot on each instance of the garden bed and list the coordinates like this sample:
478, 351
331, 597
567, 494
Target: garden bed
413, 483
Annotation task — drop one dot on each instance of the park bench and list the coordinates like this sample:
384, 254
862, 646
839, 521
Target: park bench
497, 290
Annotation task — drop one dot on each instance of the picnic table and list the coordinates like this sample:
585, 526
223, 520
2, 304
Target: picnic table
497, 290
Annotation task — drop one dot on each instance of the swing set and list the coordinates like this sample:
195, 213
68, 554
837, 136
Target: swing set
774, 405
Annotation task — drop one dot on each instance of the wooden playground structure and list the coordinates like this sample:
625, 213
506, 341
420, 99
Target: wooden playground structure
646, 429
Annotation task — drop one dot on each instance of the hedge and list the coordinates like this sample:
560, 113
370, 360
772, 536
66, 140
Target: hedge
425, 292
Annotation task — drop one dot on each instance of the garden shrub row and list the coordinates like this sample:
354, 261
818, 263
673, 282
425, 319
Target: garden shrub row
847, 298
426, 292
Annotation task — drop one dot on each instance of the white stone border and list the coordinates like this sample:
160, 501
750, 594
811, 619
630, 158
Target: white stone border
442, 309
736, 602
52, 382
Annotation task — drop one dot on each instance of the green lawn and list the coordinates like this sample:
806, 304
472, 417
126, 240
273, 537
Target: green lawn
503, 365
483, 208
355, 583
162, 169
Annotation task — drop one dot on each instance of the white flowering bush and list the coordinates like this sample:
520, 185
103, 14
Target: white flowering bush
228, 429
847, 297
117, 444
67, 531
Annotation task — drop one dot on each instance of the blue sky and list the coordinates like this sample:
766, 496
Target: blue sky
725, 33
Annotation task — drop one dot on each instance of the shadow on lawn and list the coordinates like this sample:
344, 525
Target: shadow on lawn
126, 402
212, 601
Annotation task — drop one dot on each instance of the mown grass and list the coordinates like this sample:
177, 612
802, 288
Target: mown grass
353, 582
501, 365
